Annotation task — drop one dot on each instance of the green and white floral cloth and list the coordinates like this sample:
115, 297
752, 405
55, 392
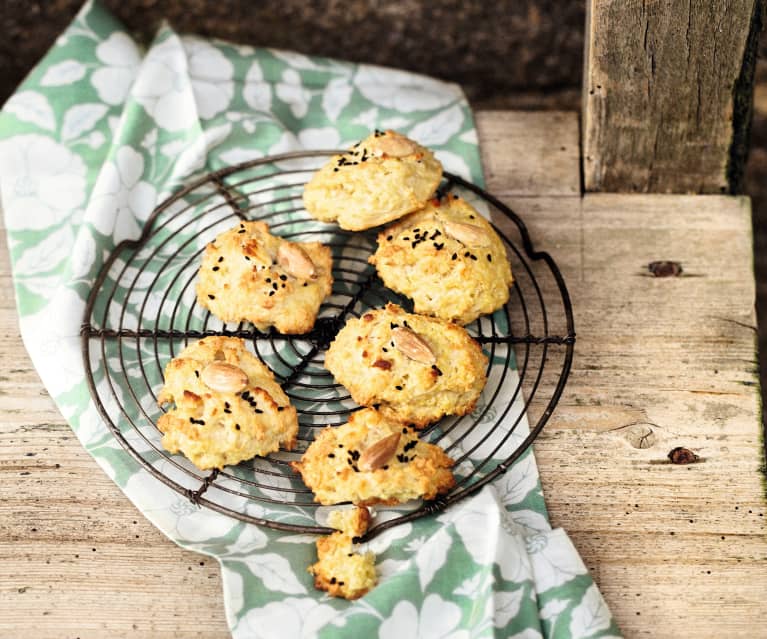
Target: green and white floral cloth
95, 137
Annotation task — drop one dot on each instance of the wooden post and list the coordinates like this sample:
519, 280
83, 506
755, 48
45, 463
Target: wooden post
667, 94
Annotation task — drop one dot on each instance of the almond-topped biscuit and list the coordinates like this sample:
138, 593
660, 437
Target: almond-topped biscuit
408, 468
228, 406
416, 369
448, 259
380, 179
248, 274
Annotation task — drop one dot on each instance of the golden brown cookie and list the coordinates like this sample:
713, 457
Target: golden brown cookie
228, 407
383, 177
340, 571
448, 259
373, 460
248, 274
416, 369
350, 521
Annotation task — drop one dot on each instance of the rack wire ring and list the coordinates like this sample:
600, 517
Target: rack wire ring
142, 309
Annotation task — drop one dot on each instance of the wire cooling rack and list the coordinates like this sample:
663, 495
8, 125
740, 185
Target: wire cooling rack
142, 311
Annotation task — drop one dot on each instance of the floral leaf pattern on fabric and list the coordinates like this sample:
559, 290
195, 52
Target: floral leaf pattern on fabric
97, 136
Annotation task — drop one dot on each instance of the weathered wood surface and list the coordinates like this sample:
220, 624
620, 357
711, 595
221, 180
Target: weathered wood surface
659, 363
667, 94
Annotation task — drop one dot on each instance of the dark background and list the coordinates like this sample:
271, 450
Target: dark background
525, 54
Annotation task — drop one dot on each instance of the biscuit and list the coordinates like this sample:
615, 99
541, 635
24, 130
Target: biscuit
379, 179
373, 460
228, 407
448, 259
350, 521
247, 274
340, 571
416, 369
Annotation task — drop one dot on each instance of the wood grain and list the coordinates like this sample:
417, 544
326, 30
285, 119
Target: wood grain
667, 94
678, 551
659, 363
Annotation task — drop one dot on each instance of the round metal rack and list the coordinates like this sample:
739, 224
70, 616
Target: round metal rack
142, 311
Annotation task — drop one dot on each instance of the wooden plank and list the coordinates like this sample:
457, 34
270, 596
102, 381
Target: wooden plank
667, 94
530, 153
678, 551
659, 363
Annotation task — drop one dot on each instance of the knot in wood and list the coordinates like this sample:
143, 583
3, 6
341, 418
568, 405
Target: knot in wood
680, 455
665, 268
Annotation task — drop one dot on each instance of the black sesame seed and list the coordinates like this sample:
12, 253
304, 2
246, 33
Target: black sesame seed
259, 411
398, 387
389, 238
271, 293
489, 257
268, 280
340, 583
471, 217
247, 258
332, 580
335, 169
220, 259
455, 197
384, 349
331, 455
227, 411
280, 409
455, 256
237, 426
474, 257
404, 431
355, 469
466, 254
197, 373
211, 297
340, 445
283, 277
385, 467
241, 231
406, 237
215, 268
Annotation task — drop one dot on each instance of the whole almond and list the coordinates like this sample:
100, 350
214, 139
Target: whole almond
412, 346
378, 454
224, 378
295, 261
394, 145
468, 234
